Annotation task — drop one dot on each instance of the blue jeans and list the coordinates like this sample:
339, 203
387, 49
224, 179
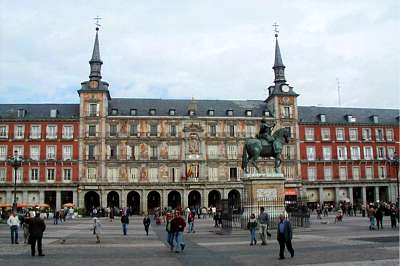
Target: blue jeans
179, 241
170, 239
124, 228
190, 227
253, 235
14, 234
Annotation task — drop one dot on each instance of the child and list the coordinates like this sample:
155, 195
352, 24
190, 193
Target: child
96, 229
252, 226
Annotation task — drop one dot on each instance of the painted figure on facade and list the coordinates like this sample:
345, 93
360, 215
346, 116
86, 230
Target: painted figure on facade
256, 147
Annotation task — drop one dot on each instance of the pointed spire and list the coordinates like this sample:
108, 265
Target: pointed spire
279, 67
95, 62
278, 57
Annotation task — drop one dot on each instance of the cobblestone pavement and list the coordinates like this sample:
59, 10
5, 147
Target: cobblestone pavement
324, 243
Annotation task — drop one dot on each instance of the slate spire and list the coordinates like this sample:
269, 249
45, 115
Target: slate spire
95, 62
279, 67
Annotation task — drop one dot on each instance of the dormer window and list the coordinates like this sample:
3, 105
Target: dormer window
229, 112
248, 113
152, 112
351, 119
114, 111
172, 112
53, 113
375, 119
210, 112
266, 113
133, 112
21, 112
322, 118
191, 112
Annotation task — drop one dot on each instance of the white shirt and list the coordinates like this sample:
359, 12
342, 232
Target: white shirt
13, 221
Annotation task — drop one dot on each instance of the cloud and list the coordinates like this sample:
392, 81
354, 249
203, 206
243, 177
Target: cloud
201, 49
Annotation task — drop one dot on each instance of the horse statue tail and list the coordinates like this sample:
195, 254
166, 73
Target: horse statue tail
244, 157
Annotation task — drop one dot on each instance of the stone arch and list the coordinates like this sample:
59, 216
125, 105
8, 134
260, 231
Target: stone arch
234, 198
113, 199
92, 199
174, 199
153, 201
214, 197
194, 199
133, 202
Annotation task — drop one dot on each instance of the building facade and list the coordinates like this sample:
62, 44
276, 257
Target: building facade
148, 153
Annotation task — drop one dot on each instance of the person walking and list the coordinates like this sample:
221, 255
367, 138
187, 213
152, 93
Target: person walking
13, 222
170, 231
125, 222
284, 236
252, 226
263, 219
371, 215
96, 228
190, 222
146, 223
36, 229
379, 217
25, 227
393, 214
178, 226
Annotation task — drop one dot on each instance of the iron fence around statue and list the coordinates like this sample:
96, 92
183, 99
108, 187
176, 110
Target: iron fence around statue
235, 215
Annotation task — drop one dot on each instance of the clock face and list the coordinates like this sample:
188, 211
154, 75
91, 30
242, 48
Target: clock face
93, 84
285, 88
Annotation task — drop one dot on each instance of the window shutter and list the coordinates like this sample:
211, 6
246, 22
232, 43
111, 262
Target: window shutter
128, 152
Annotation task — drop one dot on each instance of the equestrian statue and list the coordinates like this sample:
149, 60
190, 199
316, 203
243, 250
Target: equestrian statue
265, 145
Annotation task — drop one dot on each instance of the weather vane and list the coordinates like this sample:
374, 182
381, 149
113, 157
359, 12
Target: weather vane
97, 18
276, 26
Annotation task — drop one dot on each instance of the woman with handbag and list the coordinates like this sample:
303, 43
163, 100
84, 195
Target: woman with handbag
252, 226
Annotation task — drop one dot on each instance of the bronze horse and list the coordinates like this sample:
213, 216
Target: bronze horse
254, 148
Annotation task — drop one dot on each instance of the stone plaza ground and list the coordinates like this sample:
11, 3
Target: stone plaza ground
324, 243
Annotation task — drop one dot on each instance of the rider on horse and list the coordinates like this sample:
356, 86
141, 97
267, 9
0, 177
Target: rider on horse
266, 131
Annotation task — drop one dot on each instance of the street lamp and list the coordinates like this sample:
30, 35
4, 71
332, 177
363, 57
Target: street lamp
15, 162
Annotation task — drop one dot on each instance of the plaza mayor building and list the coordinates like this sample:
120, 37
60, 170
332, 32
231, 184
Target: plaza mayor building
147, 153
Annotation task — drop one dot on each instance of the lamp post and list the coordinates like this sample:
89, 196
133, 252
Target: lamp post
15, 162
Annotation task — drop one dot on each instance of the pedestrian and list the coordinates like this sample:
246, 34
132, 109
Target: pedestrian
170, 231
178, 226
96, 228
190, 222
284, 236
25, 227
146, 223
252, 226
371, 215
36, 229
112, 214
125, 222
13, 222
263, 219
393, 214
379, 217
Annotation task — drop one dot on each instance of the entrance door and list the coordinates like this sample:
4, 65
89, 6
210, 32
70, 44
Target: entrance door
153, 201
174, 199
112, 199
133, 201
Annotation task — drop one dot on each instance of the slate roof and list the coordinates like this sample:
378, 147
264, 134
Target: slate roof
39, 111
181, 106
310, 114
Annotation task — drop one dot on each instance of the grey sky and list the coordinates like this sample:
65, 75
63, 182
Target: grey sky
202, 49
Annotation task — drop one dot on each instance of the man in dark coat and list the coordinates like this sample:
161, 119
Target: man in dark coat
284, 236
36, 229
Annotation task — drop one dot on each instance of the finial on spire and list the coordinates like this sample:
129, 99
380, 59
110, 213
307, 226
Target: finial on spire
95, 62
276, 30
97, 18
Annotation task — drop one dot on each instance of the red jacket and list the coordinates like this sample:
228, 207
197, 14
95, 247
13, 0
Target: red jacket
178, 224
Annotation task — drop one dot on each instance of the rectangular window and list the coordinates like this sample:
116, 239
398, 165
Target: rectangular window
342, 153
213, 174
112, 174
3, 131
67, 174
3, 174
390, 152
67, 152
212, 151
153, 152
353, 132
113, 130
134, 175
19, 132
250, 131
366, 134
35, 152
68, 132
369, 172
328, 173
325, 134
35, 132
93, 109
51, 132
380, 153
368, 153
289, 131
327, 153
213, 130
153, 130
311, 153
113, 152
91, 148
356, 173
92, 130
233, 173
19, 149
232, 151
343, 173
172, 130
309, 134
231, 130
51, 152
92, 173
311, 173
389, 134
382, 172
153, 174
133, 132
3, 152
51, 174
379, 134
340, 134
355, 153
288, 152
34, 174
286, 112
130, 152
20, 174
173, 152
